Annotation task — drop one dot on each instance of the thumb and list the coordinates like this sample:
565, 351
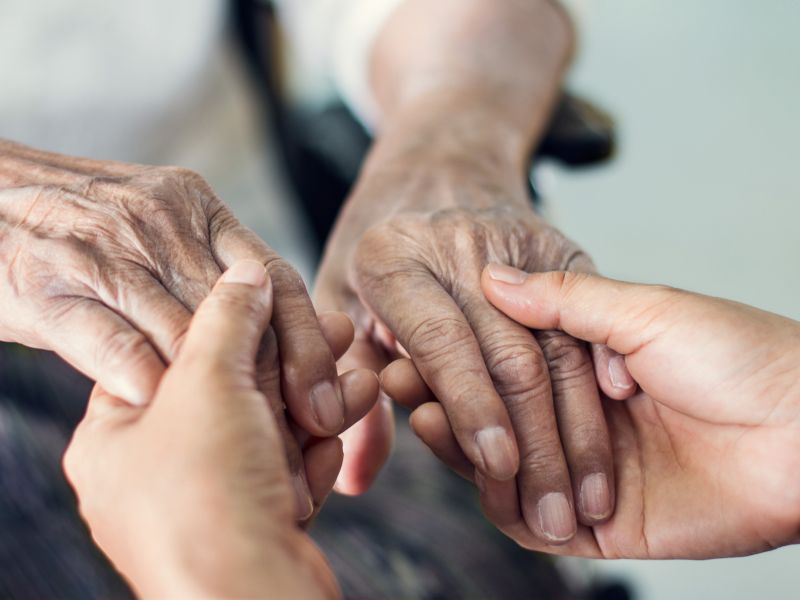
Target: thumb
226, 331
587, 307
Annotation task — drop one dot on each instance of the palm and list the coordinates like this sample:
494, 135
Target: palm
686, 485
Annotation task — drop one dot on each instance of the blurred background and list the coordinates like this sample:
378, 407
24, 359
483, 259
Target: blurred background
703, 193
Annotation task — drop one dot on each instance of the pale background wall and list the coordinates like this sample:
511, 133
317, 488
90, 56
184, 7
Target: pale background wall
704, 194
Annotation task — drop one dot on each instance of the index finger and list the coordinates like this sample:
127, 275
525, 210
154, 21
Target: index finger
430, 325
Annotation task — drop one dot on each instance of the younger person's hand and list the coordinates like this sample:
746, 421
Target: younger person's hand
191, 496
706, 454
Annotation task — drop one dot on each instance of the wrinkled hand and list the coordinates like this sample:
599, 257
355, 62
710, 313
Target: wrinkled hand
524, 408
706, 453
105, 262
191, 495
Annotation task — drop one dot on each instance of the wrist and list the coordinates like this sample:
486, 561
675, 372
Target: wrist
461, 124
440, 145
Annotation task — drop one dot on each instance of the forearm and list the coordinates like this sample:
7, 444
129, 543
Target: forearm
469, 76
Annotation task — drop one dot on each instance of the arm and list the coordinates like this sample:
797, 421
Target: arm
462, 90
479, 73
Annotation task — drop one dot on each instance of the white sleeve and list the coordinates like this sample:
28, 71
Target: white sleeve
331, 40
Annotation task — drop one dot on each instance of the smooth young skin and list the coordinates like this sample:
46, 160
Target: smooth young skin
706, 452
464, 89
191, 496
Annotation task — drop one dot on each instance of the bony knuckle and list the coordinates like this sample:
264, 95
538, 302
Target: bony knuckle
545, 459
123, 348
519, 371
434, 338
566, 357
182, 175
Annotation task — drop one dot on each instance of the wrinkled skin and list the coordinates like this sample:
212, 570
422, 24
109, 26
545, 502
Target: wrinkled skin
191, 496
405, 262
706, 451
105, 262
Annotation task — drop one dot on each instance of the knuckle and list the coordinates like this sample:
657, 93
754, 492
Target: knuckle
518, 370
588, 443
123, 347
567, 358
545, 460
434, 339
383, 251
181, 175
286, 280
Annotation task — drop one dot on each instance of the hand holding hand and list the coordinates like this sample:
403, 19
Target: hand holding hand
707, 453
105, 262
191, 496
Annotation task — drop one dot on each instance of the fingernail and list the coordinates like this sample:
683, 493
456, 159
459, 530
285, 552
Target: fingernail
499, 453
328, 406
247, 272
618, 372
555, 517
303, 504
506, 274
595, 496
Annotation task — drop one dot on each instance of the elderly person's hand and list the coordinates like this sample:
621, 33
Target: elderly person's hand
517, 401
706, 453
443, 193
191, 496
105, 262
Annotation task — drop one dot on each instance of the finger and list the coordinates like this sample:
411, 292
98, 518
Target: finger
368, 443
338, 330
323, 459
310, 387
226, 341
429, 422
103, 405
106, 348
154, 311
367, 446
581, 424
499, 499
226, 331
612, 373
429, 324
588, 307
190, 283
402, 383
521, 376
268, 381
360, 389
